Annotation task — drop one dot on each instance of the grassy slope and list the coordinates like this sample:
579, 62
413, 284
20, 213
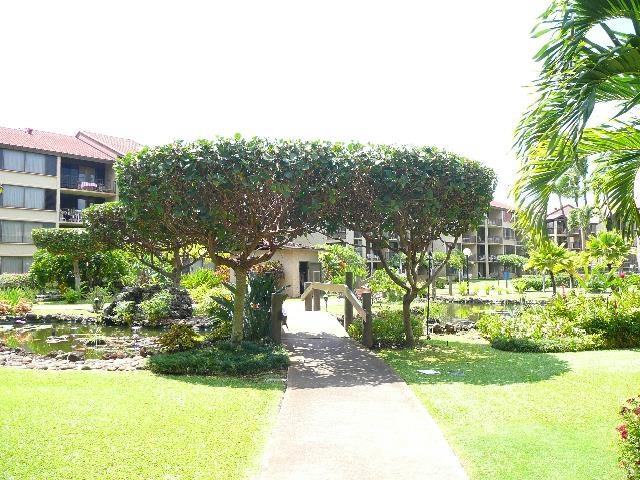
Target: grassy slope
525, 416
87, 425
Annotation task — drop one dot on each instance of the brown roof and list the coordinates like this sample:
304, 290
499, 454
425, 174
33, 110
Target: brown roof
555, 214
504, 206
101, 147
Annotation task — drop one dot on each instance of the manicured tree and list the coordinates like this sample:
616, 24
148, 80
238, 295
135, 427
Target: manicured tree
74, 242
403, 199
241, 199
512, 261
147, 233
549, 257
338, 259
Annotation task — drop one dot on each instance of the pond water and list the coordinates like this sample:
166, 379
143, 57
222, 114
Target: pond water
65, 336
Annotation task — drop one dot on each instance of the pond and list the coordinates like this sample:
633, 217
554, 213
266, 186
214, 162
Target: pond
93, 339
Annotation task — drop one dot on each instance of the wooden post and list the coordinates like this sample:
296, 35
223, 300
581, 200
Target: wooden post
367, 324
276, 317
308, 301
348, 308
317, 296
450, 280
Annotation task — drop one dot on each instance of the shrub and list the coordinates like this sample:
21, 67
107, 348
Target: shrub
202, 278
72, 295
463, 288
126, 311
380, 282
629, 431
574, 322
157, 307
388, 328
441, 283
13, 296
15, 280
257, 322
180, 337
222, 358
22, 307
272, 267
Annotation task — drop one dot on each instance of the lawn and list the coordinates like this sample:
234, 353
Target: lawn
524, 416
88, 425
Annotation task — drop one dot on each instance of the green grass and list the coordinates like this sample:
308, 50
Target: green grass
522, 415
89, 425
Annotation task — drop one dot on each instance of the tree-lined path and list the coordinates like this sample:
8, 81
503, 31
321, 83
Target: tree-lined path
346, 414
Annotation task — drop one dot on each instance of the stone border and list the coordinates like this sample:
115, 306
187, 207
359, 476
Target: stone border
19, 358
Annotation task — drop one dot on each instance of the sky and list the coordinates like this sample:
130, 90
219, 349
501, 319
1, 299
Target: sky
455, 75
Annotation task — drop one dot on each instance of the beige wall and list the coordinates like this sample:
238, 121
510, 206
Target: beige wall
28, 215
16, 250
29, 179
290, 259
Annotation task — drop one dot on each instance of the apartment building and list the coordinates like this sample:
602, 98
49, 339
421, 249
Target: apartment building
494, 237
558, 229
48, 179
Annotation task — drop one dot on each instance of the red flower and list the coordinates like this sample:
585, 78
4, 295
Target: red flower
622, 429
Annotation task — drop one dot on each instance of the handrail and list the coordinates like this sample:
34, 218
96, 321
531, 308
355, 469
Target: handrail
336, 288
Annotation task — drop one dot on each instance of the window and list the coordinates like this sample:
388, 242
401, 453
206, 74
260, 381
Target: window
19, 232
15, 264
28, 197
28, 162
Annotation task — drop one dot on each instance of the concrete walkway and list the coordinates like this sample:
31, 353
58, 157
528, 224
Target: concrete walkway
347, 415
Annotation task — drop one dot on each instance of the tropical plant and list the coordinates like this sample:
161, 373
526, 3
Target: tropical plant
608, 248
517, 262
548, 257
629, 431
180, 337
590, 62
409, 197
338, 259
381, 283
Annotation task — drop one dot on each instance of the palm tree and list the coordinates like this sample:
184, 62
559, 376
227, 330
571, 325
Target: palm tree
548, 257
591, 59
608, 248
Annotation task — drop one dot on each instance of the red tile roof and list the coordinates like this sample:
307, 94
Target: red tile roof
121, 146
56, 143
555, 214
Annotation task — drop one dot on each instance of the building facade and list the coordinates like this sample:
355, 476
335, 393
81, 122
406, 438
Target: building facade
48, 179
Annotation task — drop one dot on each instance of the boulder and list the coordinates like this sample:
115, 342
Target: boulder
181, 304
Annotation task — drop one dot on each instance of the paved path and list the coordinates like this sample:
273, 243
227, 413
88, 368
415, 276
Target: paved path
347, 415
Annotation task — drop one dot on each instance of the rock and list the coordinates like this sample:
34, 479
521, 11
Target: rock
449, 328
76, 356
437, 329
181, 305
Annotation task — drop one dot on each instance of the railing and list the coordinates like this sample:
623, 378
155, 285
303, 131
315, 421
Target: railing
494, 239
469, 239
75, 183
70, 215
495, 222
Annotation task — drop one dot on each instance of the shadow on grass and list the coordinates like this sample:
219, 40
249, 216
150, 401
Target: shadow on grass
475, 364
266, 381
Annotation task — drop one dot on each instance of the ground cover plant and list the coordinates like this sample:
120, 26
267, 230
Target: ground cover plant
388, 328
222, 358
134, 426
514, 416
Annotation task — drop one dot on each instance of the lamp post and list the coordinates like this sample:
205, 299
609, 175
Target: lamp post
430, 257
467, 253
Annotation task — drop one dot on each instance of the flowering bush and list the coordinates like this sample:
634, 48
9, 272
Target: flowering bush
180, 337
629, 431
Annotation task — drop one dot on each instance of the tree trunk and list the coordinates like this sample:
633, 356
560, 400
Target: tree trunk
553, 282
238, 306
76, 273
406, 318
176, 273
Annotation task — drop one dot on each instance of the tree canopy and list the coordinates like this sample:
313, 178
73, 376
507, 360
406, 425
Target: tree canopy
404, 198
338, 259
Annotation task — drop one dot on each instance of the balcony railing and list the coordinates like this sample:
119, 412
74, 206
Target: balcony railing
469, 239
494, 240
494, 222
70, 215
76, 183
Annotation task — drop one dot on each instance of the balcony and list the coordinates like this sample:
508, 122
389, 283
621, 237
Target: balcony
494, 222
76, 183
494, 240
469, 239
71, 215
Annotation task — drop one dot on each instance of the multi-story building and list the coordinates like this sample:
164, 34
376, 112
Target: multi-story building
48, 179
494, 237
558, 229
